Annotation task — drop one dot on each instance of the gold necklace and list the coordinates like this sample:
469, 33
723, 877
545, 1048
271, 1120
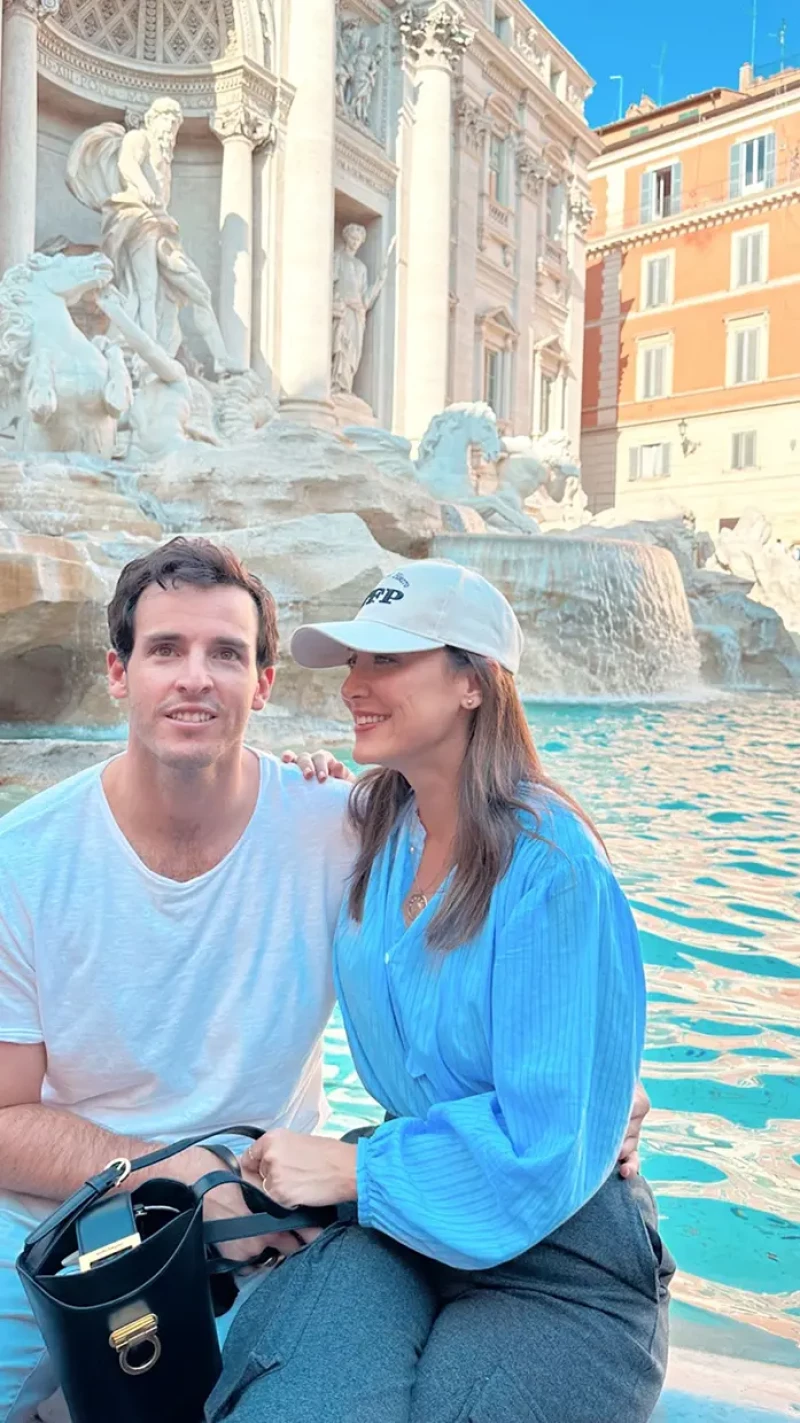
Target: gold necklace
413, 906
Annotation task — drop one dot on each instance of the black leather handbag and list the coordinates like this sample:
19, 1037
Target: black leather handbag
120, 1286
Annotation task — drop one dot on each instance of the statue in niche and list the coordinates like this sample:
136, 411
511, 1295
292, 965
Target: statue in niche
127, 177
353, 299
358, 64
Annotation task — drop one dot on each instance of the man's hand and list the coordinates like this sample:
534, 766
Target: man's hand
321, 764
629, 1154
301, 1170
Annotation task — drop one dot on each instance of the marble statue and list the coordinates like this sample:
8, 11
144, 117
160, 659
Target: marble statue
161, 418
463, 462
358, 63
353, 299
68, 391
126, 177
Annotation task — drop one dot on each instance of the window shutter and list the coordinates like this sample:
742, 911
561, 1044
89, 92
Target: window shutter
742, 264
633, 462
757, 257
769, 161
648, 180
739, 353
677, 177
666, 457
736, 170
658, 371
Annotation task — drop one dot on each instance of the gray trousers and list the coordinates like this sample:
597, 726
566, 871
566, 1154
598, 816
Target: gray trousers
357, 1328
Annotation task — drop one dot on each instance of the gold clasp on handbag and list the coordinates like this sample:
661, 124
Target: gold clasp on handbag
130, 1337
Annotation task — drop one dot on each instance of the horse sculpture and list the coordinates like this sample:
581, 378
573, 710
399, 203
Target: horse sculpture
462, 452
67, 391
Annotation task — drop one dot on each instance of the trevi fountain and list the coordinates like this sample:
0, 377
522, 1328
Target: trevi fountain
661, 664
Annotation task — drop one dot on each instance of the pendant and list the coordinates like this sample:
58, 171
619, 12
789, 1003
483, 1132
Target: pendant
414, 906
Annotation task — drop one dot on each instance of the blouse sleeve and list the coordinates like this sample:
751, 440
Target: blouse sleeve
482, 1179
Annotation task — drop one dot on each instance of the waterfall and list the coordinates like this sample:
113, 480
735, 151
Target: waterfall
601, 617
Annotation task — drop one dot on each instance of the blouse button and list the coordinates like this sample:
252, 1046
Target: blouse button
386, 958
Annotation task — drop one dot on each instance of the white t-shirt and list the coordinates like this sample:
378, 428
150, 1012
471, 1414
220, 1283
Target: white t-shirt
173, 1008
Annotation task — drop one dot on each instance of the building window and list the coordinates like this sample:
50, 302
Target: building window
749, 264
747, 351
491, 380
498, 171
689, 116
743, 452
753, 165
649, 461
654, 369
502, 27
555, 211
661, 193
656, 284
547, 404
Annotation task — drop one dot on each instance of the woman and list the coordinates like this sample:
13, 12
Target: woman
490, 980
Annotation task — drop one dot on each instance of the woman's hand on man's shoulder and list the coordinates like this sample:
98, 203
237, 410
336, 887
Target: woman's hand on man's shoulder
321, 764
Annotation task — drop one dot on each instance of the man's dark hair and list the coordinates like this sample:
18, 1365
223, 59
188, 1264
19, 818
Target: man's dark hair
199, 564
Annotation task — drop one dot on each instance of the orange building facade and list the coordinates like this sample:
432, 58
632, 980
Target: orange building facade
691, 383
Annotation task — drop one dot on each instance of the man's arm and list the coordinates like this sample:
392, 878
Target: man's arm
50, 1152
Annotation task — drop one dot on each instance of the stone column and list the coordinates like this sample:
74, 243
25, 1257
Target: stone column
308, 209
471, 131
239, 132
530, 178
580, 215
18, 127
435, 36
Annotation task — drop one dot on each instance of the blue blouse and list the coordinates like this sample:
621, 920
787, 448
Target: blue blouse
510, 1062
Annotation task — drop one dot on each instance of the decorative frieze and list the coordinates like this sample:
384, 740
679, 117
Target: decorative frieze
359, 58
531, 170
580, 208
472, 125
435, 32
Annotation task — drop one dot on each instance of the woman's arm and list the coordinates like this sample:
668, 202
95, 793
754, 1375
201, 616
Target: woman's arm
482, 1179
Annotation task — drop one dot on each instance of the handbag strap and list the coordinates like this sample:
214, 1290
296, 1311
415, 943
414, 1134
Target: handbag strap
117, 1171
267, 1221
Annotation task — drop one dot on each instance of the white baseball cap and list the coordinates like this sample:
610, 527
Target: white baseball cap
424, 605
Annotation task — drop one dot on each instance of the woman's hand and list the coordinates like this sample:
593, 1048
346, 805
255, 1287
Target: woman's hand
629, 1153
228, 1203
301, 1170
321, 764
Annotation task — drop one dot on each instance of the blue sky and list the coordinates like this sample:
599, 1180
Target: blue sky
706, 42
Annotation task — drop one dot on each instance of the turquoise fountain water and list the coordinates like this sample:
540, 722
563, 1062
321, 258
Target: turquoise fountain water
699, 804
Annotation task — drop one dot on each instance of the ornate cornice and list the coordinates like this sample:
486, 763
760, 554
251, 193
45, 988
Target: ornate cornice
696, 221
434, 33
201, 91
364, 160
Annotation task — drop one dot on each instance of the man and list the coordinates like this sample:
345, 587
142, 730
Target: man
165, 924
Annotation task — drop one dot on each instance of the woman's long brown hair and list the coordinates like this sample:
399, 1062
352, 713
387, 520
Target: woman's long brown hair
500, 776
